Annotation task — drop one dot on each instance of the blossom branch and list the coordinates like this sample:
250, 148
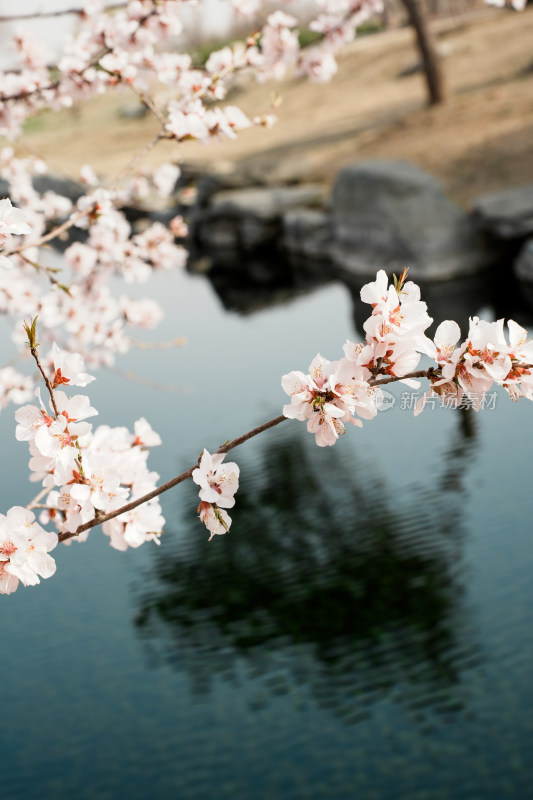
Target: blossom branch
55, 232
84, 212
225, 448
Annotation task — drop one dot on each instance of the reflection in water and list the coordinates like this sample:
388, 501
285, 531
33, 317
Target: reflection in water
267, 281
340, 594
262, 281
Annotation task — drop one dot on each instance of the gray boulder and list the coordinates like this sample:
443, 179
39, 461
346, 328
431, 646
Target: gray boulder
523, 267
63, 186
391, 215
508, 214
49, 183
246, 219
307, 233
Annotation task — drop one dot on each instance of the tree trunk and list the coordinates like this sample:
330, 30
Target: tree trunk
428, 51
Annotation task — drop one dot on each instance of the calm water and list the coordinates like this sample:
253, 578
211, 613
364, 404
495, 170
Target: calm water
366, 630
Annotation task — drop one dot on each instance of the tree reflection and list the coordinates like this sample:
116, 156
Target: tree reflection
270, 279
338, 591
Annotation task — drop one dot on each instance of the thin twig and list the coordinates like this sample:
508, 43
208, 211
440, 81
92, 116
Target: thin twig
136, 159
35, 502
146, 99
65, 226
65, 12
421, 373
225, 448
131, 375
48, 271
35, 354
179, 341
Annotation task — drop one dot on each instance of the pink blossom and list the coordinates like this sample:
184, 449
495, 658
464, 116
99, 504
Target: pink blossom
12, 221
218, 482
216, 520
24, 548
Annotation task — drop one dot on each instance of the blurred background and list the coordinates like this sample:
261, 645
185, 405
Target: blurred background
365, 630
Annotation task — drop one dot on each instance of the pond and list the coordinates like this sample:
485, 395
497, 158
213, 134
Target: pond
366, 628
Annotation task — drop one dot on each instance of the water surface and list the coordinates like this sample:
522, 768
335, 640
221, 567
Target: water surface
365, 630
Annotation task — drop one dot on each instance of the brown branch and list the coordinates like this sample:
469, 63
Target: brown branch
148, 101
225, 448
65, 12
420, 373
54, 232
35, 503
45, 378
137, 159
50, 87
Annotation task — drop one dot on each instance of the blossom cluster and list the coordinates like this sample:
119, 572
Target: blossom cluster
336, 392
29, 287
101, 476
483, 359
24, 548
218, 483
85, 474
123, 48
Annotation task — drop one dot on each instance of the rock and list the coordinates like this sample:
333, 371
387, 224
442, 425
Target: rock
266, 203
523, 266
307, 233
508, 214
392, 214
63, 186
246, 219
254, 173
50, 183
137, 111
269, 171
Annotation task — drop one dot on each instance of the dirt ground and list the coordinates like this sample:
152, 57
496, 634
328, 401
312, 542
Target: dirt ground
481, 139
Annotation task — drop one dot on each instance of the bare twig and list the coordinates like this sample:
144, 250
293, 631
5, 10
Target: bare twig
63, 13
35, 502
49, 272
130, 375
179, 341
136, 159
148, 101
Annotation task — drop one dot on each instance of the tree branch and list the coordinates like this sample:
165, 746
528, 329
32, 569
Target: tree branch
64, 13
225, 448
